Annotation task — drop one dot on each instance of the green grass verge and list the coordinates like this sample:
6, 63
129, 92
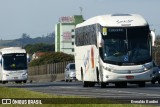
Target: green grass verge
23, 93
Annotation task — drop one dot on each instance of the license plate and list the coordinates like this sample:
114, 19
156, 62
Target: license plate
130, 77
15, 77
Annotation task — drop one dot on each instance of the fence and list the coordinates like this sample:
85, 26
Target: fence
48, 72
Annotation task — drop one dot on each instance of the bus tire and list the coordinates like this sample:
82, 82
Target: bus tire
85, 84
142, 84
70, 80
152, 81
103, 85
91, 84
159, 81
25, 81
66, 80
4, 82
121, 84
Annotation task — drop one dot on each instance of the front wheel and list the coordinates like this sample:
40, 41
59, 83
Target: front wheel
142, 84
25, 81
153, 82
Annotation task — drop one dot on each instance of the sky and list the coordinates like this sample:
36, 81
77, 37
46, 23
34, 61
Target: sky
38, 17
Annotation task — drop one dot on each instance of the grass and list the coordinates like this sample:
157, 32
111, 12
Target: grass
23, 93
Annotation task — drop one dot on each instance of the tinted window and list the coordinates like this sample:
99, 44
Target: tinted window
72, 66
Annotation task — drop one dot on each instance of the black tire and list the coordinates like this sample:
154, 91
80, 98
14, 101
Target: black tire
103, 85
25, 81
85, 84
91, 84
121, 84
153, 82
18, 82
70, 80
159, 81
4, 82
142, 84
66, 80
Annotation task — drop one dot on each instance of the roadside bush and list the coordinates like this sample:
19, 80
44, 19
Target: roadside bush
52, 57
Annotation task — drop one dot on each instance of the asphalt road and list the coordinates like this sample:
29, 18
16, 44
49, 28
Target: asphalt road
76, 89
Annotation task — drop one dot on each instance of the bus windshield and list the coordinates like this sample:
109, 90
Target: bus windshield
127, 45
16, 61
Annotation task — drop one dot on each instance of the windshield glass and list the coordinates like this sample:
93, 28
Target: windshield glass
17, 61
72, 66
127, 45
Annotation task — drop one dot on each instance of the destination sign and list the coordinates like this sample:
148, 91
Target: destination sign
112, 30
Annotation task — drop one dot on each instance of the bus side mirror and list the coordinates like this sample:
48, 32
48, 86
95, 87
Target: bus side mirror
153, 36
100, 40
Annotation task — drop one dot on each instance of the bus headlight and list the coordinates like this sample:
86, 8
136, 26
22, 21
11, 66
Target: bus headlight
24, 74
108, 69
147, 67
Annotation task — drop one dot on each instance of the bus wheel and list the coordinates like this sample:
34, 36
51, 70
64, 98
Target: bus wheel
153, 82
66, 80
142, 84
103, 85
85, 84
121, 84
117, 85
91, 84
4, 82
70, 80
18, 82
159, 81
25, 81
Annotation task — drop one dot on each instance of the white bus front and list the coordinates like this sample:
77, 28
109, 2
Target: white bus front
126, 55
14, 67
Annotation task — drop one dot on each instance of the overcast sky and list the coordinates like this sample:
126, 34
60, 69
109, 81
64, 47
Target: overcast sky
38, 17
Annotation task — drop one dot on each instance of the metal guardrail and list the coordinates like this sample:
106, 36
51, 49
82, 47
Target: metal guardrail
55, 68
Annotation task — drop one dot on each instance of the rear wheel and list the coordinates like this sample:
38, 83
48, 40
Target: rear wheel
4, 82
103, 85
18, 82
70, 80
91, 84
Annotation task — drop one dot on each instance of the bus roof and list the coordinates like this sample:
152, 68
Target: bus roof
116, 20
12, 50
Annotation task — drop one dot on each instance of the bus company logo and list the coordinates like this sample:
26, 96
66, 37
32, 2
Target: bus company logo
86, 61
124, 21
6, 101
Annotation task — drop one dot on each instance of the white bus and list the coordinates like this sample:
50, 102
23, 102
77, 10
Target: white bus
13, 65
114, 48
